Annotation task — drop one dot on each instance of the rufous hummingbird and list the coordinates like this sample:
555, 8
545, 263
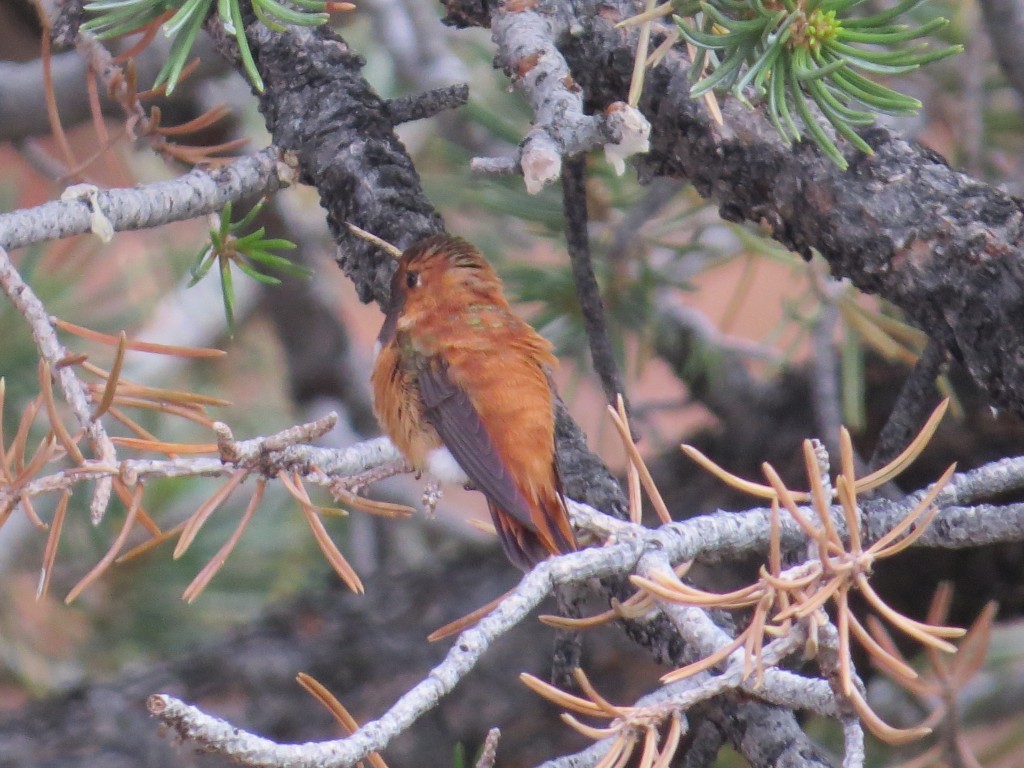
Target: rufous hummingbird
461, 385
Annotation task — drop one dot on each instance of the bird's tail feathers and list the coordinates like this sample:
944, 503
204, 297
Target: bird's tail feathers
527, 546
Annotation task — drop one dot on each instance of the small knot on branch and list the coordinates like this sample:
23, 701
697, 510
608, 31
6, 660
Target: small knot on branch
227, 446
405, 109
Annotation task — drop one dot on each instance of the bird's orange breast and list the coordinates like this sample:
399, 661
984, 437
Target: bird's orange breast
397, 405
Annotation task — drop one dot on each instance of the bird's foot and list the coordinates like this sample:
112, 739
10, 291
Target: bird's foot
431, 496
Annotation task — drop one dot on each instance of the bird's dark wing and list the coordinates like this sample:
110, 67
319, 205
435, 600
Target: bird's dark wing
448, 408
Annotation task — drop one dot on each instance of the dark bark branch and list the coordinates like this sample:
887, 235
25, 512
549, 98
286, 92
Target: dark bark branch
659, 193
577, 239
827, 401
946, 248
916, 400
317, 105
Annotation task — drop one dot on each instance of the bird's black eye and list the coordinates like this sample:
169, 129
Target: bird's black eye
412, 279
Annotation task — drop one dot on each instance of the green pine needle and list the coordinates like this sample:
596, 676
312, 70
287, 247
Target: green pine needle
113, 18
247, 252
789, 53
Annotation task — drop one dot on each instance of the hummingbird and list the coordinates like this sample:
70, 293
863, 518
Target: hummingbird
462, 386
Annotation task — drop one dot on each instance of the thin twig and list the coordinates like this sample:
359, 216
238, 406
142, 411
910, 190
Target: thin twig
53, 352
197, 193
574, 203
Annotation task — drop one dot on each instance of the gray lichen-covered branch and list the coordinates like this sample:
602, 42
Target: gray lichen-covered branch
713, 537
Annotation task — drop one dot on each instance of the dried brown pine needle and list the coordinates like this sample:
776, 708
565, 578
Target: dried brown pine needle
926, 634
669, 588
560, 698
372, 506
909, 454
99, 122
672, 738
192, 414
622, 427
205, 576
921, 516
16, 454
585, 685
43, 453
70, 360
211, 116
148, 33
592, 732
484, 526
50, 552
111, 554
207, 154
971, 653
632, 473
134, 426
4, 466
620, 752
471, 619
843, 625
888, 659
52, 111
734, 481
636, 606
137, 346
181, 397
330, 550
819, 501
577, 624
56, 424
201, 515
115, 373
144, 519
160, 446
152, 543
942, 600
881, 729
707, 662
330, 702
129, 388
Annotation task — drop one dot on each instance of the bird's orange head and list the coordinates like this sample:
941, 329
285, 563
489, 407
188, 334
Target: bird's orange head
435, 278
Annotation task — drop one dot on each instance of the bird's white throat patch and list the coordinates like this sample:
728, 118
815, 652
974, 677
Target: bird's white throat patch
442, 465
